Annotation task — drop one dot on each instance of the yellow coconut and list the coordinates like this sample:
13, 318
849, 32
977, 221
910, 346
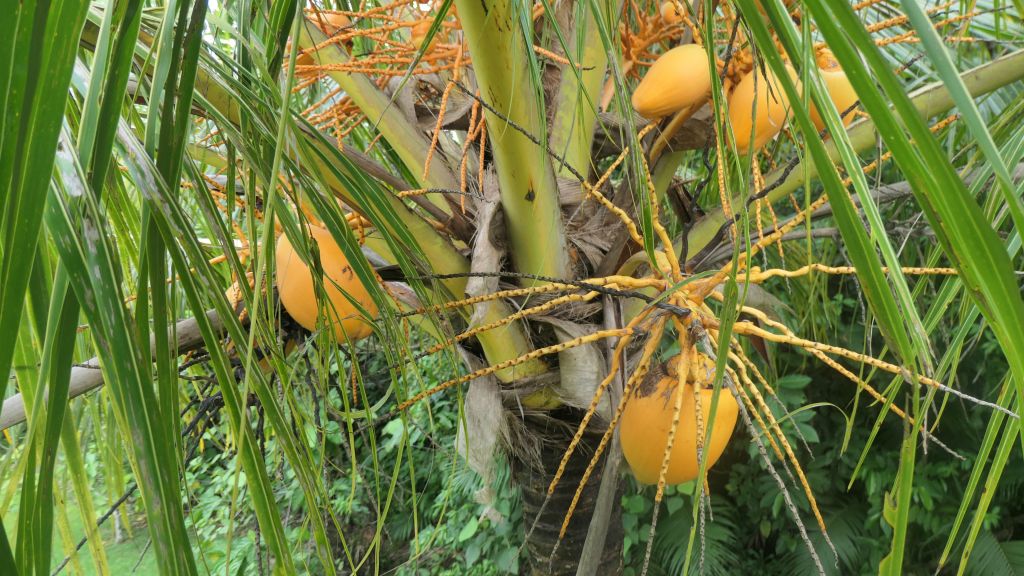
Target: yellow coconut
419, 34
305, 59
757, 109
647, 419
295, 288
330, 23
670, 13
334, 24
840, 90
680, 78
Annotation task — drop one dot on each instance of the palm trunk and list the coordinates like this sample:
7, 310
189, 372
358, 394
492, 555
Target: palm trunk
534, 477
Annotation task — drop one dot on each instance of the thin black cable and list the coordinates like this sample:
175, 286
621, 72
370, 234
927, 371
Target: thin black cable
521, 130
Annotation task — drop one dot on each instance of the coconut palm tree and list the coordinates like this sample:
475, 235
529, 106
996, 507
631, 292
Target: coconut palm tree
520, 188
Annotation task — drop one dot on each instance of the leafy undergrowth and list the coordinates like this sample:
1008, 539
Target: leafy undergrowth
452, 532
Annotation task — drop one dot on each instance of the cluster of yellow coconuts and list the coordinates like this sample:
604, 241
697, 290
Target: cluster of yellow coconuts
681, 78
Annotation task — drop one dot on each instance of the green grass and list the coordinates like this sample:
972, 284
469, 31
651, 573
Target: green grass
123, 556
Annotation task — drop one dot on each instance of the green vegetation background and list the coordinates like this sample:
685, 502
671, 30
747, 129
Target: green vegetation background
437, 525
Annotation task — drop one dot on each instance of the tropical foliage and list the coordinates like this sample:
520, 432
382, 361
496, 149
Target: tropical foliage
370, 287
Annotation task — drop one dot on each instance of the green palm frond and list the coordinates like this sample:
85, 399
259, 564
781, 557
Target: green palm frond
997, 558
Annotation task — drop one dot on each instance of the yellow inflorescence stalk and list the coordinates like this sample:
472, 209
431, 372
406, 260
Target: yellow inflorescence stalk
599, 335
645, 359
592, 409
539, 309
